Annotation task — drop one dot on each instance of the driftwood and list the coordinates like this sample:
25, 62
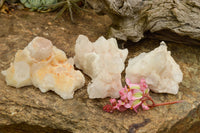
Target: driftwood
133, 18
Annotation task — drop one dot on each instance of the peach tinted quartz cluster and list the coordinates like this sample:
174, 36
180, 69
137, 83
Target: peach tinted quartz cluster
46, 67
103, 61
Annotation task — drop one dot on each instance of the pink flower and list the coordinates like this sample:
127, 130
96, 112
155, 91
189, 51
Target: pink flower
136, 107
120, 102
128, 82
135, 104
132, 86
108, 108
143, 85
145, 106
127, 105
120, 106
134, 95
113, 101
123, 93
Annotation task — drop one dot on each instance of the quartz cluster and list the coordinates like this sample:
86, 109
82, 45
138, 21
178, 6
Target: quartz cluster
103, 61
43, 65
160, 70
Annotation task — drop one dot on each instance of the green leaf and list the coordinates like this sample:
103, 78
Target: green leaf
135, 87
136, 102
137, 94
146, 91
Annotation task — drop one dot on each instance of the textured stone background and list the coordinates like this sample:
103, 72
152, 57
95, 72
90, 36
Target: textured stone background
28, 110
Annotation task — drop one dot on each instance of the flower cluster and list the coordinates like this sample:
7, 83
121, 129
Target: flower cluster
132, 97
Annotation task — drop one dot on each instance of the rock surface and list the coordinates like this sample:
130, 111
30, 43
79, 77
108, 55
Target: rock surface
132, 18
81, 114
103, 61
158, 68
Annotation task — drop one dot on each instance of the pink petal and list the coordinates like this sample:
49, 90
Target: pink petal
120, 103
135, 108
108, 108
145, 106
123, 91
127, 106
143, 84
113, 101
124, 97
142, 81
116, 106
128, 81
122, 108
129, 95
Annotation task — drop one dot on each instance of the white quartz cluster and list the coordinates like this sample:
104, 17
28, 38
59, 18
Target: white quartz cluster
103, 61
161, 72
43, 65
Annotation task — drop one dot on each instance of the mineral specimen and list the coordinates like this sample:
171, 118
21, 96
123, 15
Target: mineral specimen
43, 65
161, 72
103, 61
